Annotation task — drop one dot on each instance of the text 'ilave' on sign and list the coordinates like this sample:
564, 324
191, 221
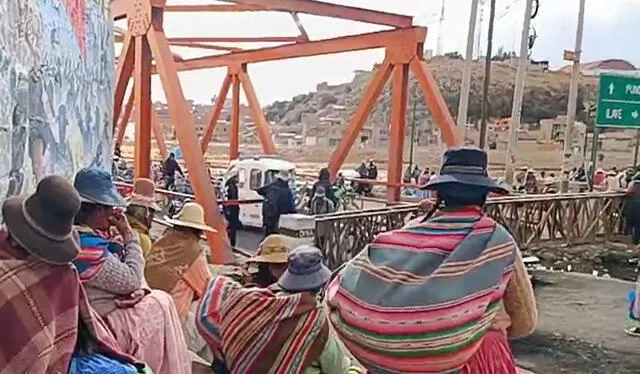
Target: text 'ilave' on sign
618, 101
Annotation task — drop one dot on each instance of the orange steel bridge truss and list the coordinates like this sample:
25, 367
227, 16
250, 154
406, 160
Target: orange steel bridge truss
146, 51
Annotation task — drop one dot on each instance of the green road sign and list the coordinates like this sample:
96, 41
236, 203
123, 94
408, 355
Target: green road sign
619, 101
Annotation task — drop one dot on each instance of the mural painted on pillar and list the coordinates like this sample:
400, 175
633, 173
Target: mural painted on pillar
56, 90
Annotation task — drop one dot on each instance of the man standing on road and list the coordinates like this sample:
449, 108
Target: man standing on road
169, 170
278, 200
232, 212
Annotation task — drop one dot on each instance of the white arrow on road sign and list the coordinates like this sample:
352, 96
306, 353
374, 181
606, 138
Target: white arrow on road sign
635, 114
611, 87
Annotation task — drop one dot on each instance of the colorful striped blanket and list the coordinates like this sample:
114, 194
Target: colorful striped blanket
39, 308
419, 299
259, 332
95, 248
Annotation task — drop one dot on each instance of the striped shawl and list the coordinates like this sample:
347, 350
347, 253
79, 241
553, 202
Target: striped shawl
96, 247
39, 308
259, 332
419, 299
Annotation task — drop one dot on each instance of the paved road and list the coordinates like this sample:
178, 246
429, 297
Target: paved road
249, 240
581, 327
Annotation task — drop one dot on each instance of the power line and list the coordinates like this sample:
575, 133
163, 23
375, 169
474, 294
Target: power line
507, 9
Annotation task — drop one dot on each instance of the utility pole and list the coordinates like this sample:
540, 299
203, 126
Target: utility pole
573, 96
439, 51
518, 92
484, 113
463, 104
479, 37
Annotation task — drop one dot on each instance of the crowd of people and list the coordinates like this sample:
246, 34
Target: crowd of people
81, 250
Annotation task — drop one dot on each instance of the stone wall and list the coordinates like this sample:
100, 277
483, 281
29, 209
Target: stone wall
56, 90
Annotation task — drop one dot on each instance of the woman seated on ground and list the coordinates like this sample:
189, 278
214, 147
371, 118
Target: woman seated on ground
141, 208
145, 323
281, 329
456, 267
270, 262
177, 265
42, 296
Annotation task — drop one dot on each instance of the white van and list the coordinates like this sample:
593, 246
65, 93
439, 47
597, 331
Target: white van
253, 173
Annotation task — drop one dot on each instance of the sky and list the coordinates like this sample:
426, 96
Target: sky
610, 31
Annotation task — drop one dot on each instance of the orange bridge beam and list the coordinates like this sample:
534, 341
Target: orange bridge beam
214, 115
226, 39
142, 93
206, 46
368, 101
120, 8
379, 39
234, 133
320, 8
183, 121
435, 102
213, 8
158, 133
124, 120
123, 74
397, 130
262, 126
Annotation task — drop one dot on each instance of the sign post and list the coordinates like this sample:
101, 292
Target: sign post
618, 102
618, 106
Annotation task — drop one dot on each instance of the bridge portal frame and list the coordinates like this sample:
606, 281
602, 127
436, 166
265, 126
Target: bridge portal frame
146, 51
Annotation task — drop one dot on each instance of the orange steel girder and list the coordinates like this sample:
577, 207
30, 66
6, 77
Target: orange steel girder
155, 123
398, 127
237, 77
146, 38
142, 101
214, 115
234, 134
403, 44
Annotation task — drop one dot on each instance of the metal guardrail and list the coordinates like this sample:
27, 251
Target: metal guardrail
238, 251
185, 196
533, 220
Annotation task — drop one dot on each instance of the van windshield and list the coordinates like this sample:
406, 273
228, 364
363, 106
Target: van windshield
271, 175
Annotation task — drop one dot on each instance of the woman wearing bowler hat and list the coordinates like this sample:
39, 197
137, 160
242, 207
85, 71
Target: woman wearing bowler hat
141, 208
42, 297
145, 323
456, 269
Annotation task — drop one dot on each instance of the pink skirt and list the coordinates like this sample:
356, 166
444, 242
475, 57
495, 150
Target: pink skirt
493, 357
151, 332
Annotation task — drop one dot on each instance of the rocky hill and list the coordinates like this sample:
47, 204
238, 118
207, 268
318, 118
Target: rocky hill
545, 96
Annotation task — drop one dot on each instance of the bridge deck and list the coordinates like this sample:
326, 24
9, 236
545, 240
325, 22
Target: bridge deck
581, 327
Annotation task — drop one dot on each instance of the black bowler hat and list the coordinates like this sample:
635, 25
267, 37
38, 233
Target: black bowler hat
467, 166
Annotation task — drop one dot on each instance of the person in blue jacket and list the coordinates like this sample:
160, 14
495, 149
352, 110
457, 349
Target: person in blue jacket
278, 200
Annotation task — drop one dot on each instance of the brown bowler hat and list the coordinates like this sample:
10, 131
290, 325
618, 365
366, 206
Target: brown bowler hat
144, 194
42, 223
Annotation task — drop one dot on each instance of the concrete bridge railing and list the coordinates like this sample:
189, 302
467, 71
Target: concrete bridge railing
534, 220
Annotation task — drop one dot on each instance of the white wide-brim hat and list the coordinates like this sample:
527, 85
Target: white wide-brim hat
191, 215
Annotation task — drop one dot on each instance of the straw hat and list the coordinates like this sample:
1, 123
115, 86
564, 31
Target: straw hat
42, 223
274, 249
143, 194
191, 215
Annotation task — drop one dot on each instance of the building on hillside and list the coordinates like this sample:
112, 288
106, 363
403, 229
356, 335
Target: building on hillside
553, 129
595, 68
288, 139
